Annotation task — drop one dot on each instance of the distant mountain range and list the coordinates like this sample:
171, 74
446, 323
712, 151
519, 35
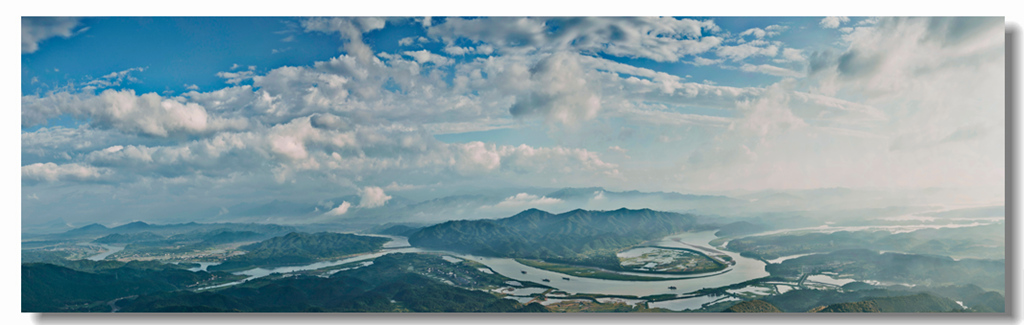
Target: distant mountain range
483, 205
578, 236
139, 229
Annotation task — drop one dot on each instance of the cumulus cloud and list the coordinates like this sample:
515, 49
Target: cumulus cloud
894, 88
833, 22
235, 77
793, 54
37, 29
558, 91
756, 32
699, 61
476, 158
340, 210
746, 50
372, 197
657, 38
424, 56
52, 172
148, 114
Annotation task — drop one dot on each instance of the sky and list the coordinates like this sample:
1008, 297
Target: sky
120, 115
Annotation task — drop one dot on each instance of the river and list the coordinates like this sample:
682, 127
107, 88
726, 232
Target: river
110, 250
744, 269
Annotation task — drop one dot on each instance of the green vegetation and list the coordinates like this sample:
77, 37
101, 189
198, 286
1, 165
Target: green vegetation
587, 272
300, 248
671, 260
752, 306
393, 283
578, 306
919, 303
128, 238
980, 242
576, 237
916, 299
898, 268
191, 231
52, 288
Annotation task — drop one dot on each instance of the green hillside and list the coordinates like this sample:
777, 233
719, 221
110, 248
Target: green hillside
575, 237
752, 306
300, 248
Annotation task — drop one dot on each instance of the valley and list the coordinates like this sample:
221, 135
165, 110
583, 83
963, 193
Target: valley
690, 269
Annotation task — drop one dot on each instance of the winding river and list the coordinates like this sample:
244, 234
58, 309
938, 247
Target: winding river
110, 250
744, 269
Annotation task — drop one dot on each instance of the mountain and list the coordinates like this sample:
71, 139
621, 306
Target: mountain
128, 238
300, 248
577, 236
97, 230
753, 306
392, 283
132, 227
919, 303
89, 230
52, 288
898, 268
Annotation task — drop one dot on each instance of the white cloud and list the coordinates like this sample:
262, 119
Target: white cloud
523, 200
793, 54
51, 172
340, 210
770, 69
351, 29
37, 29
235, 77
113, 79
756, 32
372, 197
148, 114
558, 91
699, 61
424, 56
661, 39
743, 51
459, 51
834, 22
901, 99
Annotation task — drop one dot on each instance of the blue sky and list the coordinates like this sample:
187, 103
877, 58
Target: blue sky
217, 111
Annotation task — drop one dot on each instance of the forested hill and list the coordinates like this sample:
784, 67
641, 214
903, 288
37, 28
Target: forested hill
300, 248
579, 236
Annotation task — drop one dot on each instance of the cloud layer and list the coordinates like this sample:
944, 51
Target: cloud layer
546, 102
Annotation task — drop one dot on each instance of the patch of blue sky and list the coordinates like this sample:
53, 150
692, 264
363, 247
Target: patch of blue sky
174, 52
692, 73
387, 39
